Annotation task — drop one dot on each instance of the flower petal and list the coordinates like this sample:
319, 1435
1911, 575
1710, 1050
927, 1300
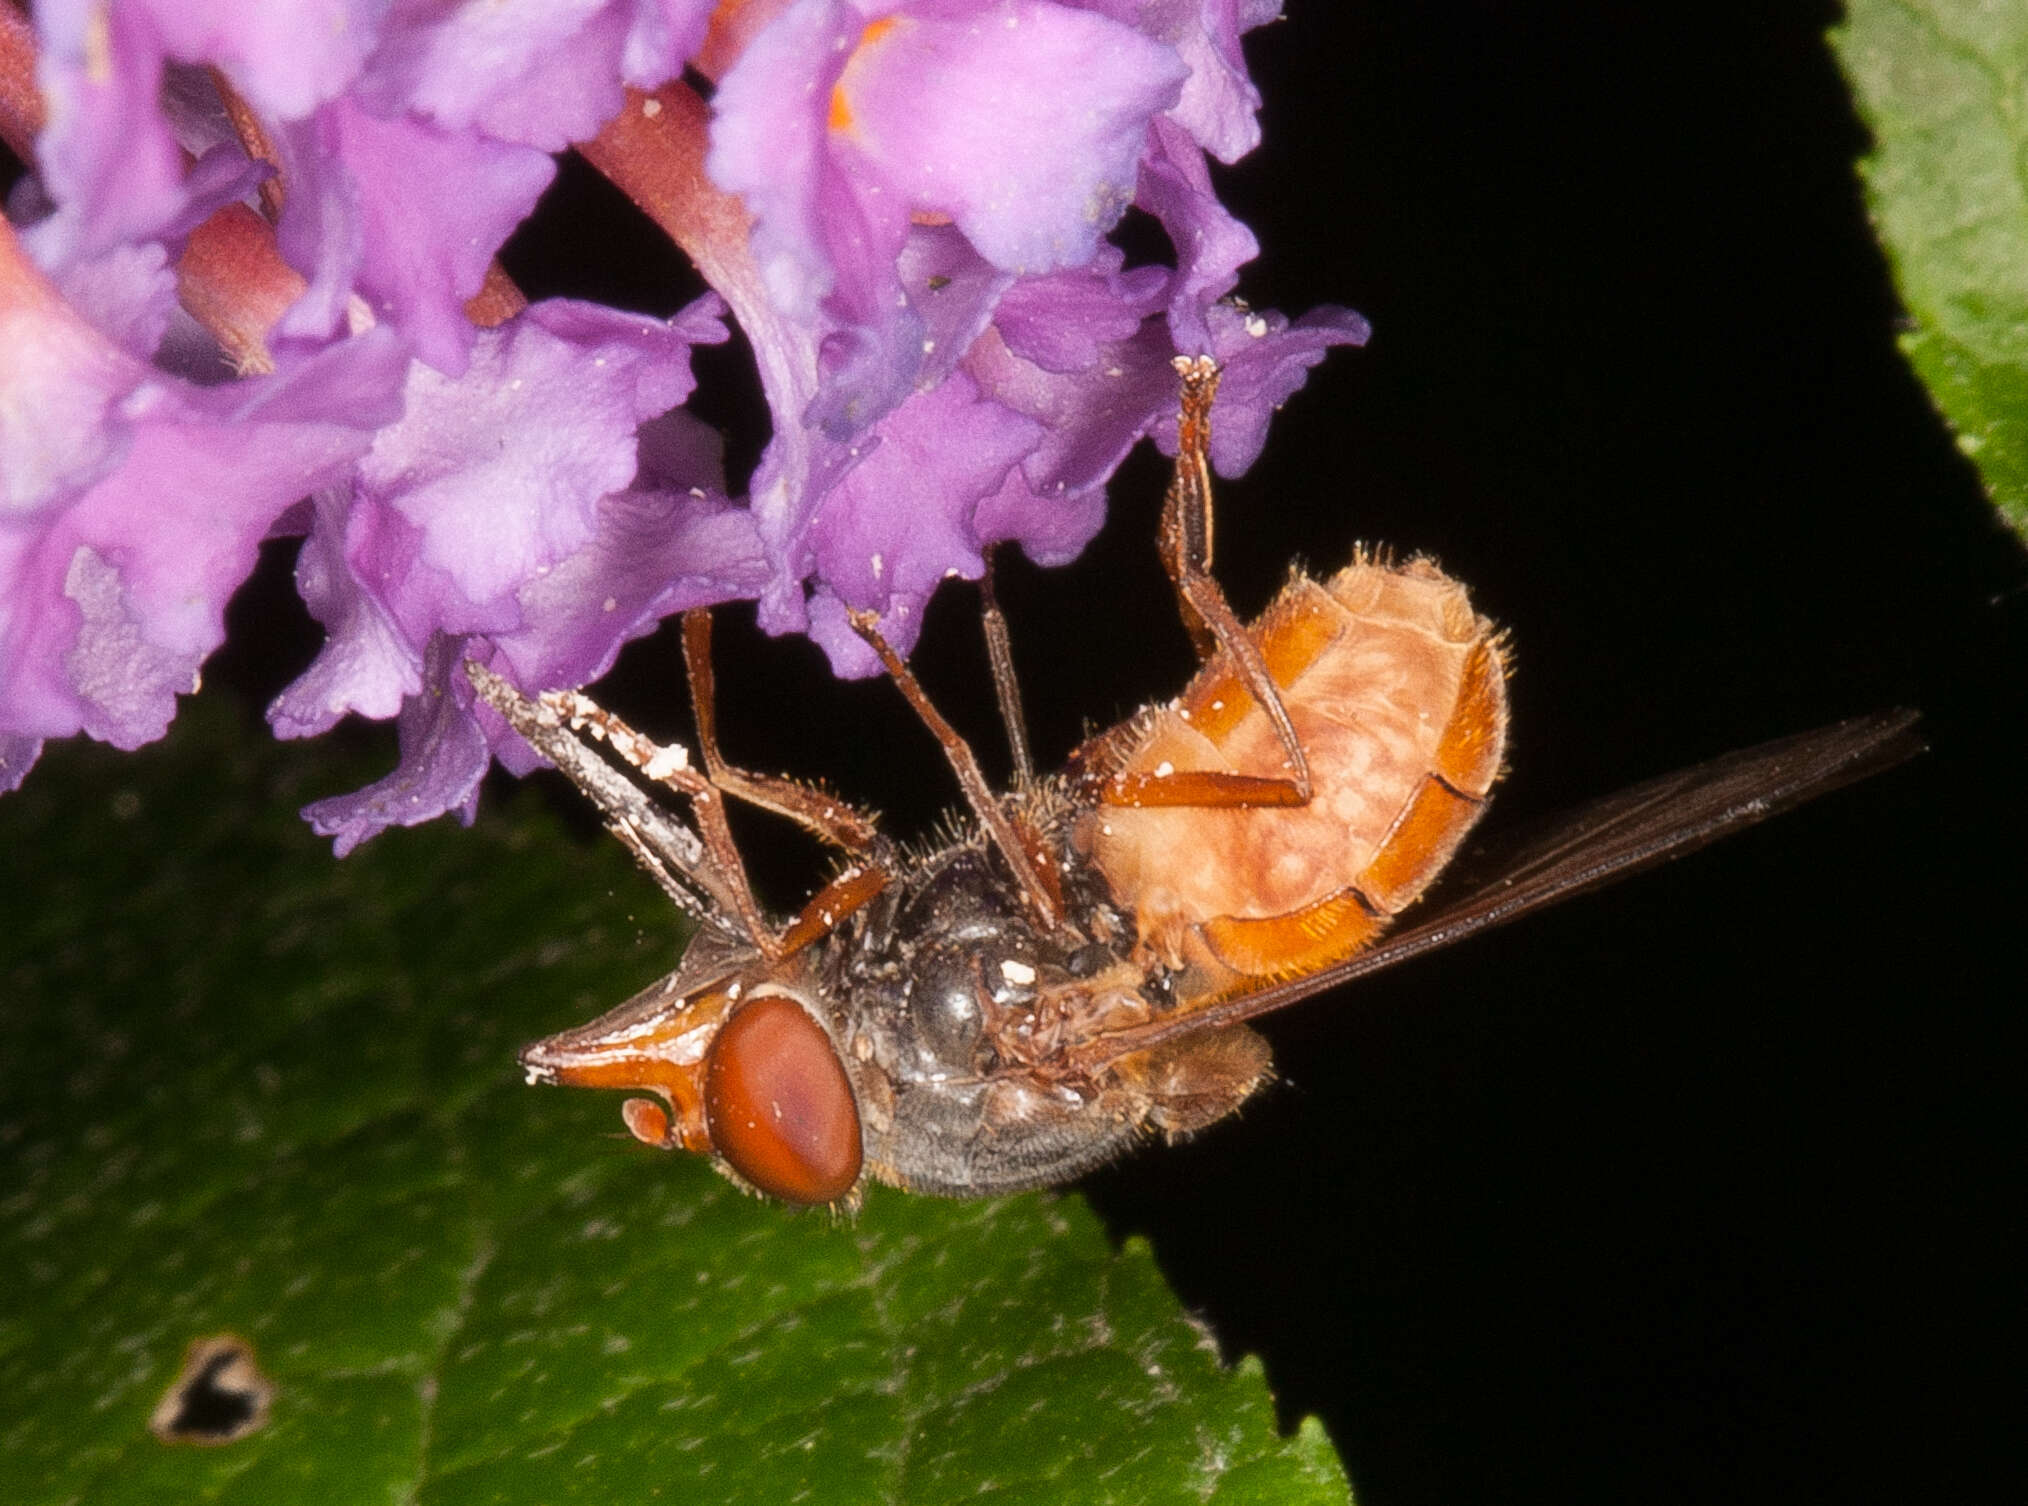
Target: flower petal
367, 213
540, 73
655, 553
1267, 358
1086, 355
285, 57
17, 757
901, 521
501, 469
487, 485
1219, 103
367, 665
1211, 246
139, 507
1020, 119
843, 125
443, 758
106, 157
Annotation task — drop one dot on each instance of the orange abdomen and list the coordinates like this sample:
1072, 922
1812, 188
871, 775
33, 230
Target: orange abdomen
1397, 690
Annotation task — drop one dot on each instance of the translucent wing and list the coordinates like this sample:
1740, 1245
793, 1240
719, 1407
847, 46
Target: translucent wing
1596, 844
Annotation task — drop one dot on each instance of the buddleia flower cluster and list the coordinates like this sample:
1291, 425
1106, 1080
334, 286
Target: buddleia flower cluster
249, 290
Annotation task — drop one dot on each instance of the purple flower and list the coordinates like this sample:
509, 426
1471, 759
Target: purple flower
370, 110
540, 73
358, 182
109, 159
904, 517
134, 502
1219, 101
1211, 246
1019, 121
651, 553
903, 203
454, 522
1070, 370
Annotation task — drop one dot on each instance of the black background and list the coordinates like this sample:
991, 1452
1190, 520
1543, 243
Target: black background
1680, 1193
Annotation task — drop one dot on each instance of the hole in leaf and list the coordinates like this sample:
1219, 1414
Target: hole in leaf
221, 1395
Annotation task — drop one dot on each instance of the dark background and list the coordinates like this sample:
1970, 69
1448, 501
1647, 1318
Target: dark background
1679, 1193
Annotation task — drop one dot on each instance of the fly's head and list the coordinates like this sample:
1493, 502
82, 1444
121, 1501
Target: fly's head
742, 1066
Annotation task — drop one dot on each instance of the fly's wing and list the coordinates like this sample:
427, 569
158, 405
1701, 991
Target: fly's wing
1662, 819
1596, 844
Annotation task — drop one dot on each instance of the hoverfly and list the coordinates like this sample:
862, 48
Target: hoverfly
1072, 973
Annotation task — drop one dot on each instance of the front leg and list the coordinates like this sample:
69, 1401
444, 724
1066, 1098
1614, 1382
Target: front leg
671, 853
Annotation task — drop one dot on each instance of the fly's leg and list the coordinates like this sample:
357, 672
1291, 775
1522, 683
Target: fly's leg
673, 855
1006, 689
671, 765
1185, 544
818, 812
1032, 866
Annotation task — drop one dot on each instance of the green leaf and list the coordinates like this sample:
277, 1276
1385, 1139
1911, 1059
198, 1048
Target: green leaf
249, 1090
1942, 85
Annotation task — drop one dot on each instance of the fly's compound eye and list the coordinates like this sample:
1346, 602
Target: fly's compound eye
779, 1105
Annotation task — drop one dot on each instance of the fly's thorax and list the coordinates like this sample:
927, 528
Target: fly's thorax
962, 1019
